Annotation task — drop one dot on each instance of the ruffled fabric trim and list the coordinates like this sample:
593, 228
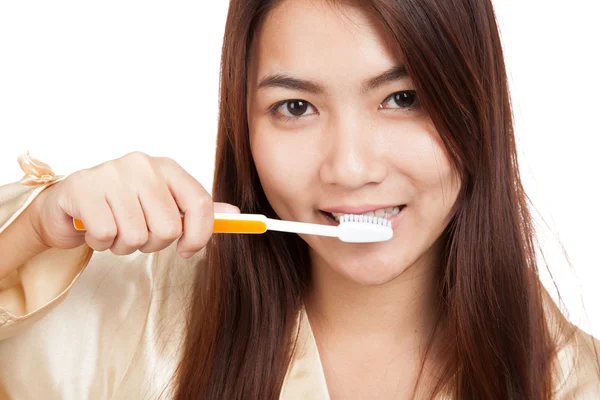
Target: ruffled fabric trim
36, 172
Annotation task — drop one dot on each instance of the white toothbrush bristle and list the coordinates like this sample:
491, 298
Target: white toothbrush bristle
364, 229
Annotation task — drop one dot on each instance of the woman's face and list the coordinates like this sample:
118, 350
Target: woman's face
335, 127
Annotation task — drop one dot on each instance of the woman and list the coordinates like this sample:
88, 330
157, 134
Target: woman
399, 108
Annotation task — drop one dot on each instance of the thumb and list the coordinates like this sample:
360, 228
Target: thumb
225, 208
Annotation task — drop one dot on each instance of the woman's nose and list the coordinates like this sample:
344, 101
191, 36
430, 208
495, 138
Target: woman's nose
351, 158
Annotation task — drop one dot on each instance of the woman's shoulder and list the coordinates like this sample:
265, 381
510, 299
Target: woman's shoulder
578, 367
577, 363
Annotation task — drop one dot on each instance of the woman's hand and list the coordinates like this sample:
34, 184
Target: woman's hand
132, 203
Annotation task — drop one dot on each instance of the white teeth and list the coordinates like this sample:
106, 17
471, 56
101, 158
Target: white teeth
373, 215
353, 218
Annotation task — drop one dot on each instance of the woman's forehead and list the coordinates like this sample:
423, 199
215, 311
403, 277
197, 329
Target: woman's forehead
320, 40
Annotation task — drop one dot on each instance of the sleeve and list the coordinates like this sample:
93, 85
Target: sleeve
36, 287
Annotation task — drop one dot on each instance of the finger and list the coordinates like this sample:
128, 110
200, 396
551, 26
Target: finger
196, 205
226, 208
132, 231
101, 228
163, 217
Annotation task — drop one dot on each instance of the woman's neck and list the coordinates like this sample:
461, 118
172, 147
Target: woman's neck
401, 312
372, 338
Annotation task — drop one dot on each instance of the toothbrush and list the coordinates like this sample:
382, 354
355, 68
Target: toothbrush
352, 228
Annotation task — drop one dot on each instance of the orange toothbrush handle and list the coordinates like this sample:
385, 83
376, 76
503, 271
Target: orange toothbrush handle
221, 225
78, 224
239, 226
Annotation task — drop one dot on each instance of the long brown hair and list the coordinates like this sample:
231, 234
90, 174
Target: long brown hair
249, 290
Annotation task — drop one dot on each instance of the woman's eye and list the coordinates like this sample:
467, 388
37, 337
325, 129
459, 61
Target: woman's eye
293, 109
405, 99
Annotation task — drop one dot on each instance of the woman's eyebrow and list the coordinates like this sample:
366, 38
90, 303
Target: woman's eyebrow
391, 75
288, 82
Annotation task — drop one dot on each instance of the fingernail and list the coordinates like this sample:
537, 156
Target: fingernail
186, 254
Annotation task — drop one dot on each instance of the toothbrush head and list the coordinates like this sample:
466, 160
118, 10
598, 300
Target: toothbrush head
364, 229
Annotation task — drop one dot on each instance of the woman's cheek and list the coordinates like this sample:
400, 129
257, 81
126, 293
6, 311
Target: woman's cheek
286, 167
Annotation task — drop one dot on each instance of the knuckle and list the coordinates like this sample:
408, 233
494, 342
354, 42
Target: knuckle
204, 202
193, 246
106, 233
168, 161
169, 230
148, 250
138, 161
142, 159
98, 246
134, 238
137, 156
121, 251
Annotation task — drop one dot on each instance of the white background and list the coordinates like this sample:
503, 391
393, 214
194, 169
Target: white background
83, 82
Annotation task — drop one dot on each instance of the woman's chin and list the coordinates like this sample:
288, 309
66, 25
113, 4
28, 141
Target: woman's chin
365, 265
372, 273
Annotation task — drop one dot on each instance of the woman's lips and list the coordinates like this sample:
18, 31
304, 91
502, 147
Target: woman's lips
395, 219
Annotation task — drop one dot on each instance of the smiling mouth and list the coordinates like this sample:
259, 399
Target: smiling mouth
386, 213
